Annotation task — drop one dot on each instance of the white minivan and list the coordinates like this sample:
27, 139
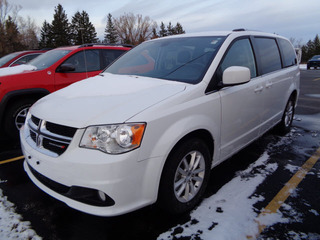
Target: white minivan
151, 126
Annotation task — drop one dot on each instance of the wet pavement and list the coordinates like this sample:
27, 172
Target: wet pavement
54, 220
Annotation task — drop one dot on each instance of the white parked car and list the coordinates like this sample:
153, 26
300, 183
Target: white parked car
153, 124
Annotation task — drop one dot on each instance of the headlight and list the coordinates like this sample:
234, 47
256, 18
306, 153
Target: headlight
114, 139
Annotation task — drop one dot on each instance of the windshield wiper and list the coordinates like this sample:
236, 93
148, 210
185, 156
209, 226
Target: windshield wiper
192, 60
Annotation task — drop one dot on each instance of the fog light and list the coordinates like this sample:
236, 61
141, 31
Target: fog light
102, 196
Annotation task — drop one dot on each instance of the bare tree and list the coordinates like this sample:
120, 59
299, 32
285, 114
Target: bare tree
4, 10
28, 32
134, 29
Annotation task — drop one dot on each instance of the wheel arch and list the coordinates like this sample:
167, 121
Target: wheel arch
12, 97
202, 134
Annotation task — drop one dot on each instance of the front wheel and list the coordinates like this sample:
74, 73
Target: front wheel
16, 116
185, 176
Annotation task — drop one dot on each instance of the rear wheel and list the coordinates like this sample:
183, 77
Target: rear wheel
185, 177
287, 118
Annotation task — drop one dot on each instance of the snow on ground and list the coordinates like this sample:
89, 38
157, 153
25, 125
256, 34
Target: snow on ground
229, 214
16, 69
303, 66
11, 224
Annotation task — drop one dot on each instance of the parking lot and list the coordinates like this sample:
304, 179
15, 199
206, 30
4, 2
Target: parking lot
270, 190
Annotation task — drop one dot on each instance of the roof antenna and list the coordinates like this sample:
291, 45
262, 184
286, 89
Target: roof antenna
84, 52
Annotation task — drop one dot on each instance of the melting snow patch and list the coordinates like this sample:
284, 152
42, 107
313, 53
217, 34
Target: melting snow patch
314, 212
11, 224
301, 236
229, 214
292, 168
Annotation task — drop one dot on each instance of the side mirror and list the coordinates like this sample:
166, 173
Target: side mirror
235, 75
66, 67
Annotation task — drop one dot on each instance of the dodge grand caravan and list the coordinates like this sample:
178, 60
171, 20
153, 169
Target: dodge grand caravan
152, 125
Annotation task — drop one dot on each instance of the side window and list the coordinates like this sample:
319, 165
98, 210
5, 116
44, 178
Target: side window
269, 54
109, 56
25, 59
85, 61
240, 54
289, 56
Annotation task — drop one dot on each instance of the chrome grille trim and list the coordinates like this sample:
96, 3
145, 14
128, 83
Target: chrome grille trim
45, 141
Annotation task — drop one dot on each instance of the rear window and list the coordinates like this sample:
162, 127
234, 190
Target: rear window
289, 55
108, 56
7, 58
269, 54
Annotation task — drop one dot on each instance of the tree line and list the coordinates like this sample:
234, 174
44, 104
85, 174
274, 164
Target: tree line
18, 34
311, 48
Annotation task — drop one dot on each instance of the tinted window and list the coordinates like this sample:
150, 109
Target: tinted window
47, 59
25, 59
269, 55
240, 54
7, 58
184, 59
289, 56
108, 56
85, 61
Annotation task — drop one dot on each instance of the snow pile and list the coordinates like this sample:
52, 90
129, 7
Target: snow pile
303, 66
11, 224
229, 214
16, 69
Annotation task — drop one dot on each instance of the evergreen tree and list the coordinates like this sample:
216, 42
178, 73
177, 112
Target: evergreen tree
60, 28
46, 36
12, 36
82, 29
170, 29
316, 43
154, 33
178, 29
111, 35
310, 49
163, 31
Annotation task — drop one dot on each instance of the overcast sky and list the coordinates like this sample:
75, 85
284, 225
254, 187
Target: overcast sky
290, 18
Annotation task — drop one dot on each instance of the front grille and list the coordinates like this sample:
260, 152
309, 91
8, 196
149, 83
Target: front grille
49, 136
61, 130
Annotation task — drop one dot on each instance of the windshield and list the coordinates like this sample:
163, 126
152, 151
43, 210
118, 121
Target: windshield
184, 59
316, 57
47, 59
7, 58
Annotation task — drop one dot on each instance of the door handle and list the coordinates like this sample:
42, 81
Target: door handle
269, 84
258, 89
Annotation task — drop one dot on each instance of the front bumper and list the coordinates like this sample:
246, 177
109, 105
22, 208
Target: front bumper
125, 182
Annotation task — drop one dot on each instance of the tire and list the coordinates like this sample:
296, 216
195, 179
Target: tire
286, 122
185, 177
15, 117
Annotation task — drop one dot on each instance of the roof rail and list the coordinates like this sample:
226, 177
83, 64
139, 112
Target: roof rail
239, 30
105, 44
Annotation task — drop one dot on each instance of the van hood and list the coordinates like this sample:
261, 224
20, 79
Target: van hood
104, 99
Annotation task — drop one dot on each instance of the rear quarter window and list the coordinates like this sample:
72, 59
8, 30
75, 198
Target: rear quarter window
269, 54
289, 56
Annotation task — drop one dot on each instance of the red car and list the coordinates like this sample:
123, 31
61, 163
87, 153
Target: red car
18, 58
23, 85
